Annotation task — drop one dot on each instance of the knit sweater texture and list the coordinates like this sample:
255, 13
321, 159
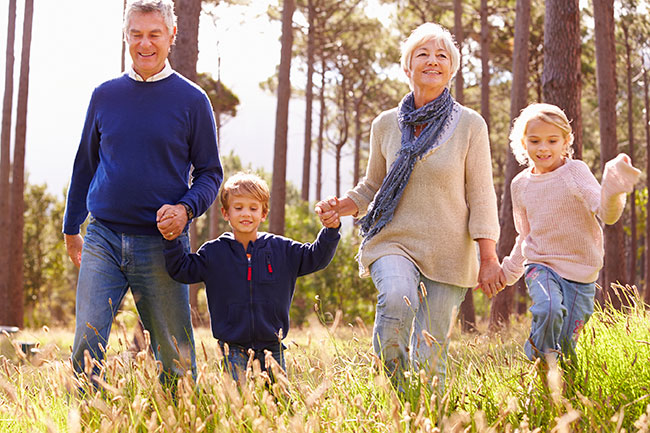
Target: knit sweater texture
556, 217
138, 145
448, 203
249, 292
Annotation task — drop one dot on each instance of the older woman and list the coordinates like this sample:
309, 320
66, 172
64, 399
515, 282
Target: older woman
427, 197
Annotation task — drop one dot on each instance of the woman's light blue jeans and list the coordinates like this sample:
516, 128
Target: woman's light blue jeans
560, 310
405, 315
112, 262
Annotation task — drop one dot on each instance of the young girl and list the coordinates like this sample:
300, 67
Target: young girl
555, 204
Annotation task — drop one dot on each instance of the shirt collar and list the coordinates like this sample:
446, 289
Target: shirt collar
166, 72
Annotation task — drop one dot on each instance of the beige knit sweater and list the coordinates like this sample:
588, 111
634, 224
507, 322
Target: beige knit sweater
448, 202
555, 216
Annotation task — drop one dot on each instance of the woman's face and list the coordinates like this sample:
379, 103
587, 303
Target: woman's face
430, 67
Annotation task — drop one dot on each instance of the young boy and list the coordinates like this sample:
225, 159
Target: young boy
249, 276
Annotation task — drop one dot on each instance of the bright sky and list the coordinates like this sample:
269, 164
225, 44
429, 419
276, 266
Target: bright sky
76, 45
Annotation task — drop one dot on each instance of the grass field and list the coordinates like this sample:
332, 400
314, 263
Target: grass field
333, 385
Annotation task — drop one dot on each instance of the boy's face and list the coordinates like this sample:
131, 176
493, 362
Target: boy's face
244, 214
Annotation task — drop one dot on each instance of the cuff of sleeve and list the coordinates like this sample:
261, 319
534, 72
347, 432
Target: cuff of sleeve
170, 245
361, 208
512, 275
332, 233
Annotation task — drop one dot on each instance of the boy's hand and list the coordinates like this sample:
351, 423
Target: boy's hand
328, 212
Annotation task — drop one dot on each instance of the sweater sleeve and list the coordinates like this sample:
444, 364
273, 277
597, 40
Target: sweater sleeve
618, 180
83, 171
513, 265
183, 266
312, 257
364, 193
207, 172
480, 195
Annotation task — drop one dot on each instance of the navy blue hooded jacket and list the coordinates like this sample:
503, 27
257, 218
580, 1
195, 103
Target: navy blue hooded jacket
249, 298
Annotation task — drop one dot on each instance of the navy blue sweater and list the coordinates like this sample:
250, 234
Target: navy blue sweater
249, 299
137, 146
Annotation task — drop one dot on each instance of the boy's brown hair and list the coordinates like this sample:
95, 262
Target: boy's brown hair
246, 184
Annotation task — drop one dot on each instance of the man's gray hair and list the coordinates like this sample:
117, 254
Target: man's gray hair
163, 7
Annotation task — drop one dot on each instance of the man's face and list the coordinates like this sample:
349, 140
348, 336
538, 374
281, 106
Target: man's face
149, 42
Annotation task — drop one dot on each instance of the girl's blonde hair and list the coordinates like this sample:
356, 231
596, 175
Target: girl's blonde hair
547, 113
247, 185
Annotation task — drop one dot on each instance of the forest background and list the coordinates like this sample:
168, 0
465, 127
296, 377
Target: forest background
340, 57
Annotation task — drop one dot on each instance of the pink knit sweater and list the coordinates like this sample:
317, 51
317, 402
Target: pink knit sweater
555, 216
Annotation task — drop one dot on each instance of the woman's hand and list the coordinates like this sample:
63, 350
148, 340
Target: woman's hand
491, 279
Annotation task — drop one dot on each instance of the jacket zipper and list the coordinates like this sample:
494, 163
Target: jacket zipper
250, 291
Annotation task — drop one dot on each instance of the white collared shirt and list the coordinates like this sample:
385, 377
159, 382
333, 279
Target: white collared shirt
166, 72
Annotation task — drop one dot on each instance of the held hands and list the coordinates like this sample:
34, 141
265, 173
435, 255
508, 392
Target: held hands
328, 212
491, 279
171, 220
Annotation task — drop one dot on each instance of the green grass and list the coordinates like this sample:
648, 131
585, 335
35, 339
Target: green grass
334, 385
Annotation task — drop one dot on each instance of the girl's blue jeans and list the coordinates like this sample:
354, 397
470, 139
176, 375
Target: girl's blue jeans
405, 314
560, 310
111, 263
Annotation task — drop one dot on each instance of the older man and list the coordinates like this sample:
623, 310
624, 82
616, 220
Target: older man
143, 133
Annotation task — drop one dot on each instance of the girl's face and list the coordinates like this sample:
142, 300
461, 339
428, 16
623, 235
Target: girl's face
546, 146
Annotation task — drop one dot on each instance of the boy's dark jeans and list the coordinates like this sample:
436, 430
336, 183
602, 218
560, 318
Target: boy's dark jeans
236, 360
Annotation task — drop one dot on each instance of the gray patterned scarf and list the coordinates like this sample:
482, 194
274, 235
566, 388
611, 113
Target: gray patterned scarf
435, 115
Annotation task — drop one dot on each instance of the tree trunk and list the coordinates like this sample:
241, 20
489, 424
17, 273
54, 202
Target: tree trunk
309, 96
194, 288
185, 52
18, 176
485, 63
123, 59
278, 186
467, 313
614, 269
183, 57
561, 79
502, 304
357, 142
646, 98
630, 134
321, 133
460, 36
5, 165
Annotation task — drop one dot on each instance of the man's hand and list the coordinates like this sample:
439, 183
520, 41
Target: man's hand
171, 220
491, 279
74, 244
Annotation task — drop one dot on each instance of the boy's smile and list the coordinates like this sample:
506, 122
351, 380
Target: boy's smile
244, 214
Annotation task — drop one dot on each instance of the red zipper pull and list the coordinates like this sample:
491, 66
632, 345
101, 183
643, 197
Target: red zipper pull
248, 256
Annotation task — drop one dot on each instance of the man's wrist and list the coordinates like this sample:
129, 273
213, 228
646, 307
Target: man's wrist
188, 210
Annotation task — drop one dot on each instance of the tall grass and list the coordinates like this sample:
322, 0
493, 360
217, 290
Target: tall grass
334, 384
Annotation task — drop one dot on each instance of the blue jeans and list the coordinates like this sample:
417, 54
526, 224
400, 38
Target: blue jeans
112, 262
236, 360
398, 332
560, 310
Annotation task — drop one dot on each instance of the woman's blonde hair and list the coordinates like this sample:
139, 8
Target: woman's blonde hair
547, 113
425, 33
247, 185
